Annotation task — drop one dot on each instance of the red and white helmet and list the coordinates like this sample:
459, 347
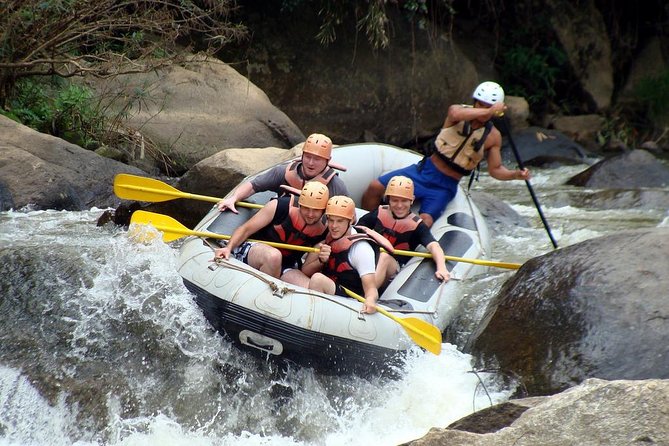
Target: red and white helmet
489, 93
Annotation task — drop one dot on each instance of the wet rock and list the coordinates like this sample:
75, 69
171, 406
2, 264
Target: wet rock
595, 412
45, 172
595, 309
634, 169
120, 216
538, 146
500, 217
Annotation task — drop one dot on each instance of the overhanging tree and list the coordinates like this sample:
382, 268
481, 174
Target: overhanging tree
105, 38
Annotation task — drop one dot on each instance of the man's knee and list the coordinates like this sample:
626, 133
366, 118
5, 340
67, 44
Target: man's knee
322, 283
296, 277
373, 195
427, 219
266, 258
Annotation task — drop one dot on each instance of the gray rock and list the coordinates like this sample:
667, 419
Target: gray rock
631, 170
538, 146
582, 32
500, 217
195, 111
45, 172
217, 175
595, 309
596, 412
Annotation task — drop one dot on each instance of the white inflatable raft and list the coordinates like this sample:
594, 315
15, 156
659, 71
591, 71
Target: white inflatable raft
328, 332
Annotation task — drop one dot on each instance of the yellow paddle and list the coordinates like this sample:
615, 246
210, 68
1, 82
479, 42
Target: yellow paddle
423, 333
428, 255
173, 230
133, 187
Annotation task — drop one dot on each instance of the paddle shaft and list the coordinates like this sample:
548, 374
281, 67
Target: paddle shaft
170, 227
134, 187
179, 194
521, 166
427, 255
188, 232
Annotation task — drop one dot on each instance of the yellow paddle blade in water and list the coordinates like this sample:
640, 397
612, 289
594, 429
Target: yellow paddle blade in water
422, 333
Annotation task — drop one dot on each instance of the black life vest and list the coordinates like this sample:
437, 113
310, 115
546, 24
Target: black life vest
294, 230
338, 268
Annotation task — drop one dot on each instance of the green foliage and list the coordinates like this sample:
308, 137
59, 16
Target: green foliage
371, 16
417, 10
532, 72
57, 107
653, 92
618, 130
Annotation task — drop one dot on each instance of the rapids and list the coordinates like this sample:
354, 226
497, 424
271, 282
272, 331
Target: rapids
100, 342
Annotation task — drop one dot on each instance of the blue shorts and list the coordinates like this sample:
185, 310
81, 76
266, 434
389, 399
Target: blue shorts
434, 189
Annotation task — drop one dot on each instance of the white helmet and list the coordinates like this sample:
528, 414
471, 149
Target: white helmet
489, 93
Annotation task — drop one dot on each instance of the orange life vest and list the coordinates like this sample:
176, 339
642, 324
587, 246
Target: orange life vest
398, 231
294, 179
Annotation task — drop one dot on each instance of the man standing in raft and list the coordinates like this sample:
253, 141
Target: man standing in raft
290, 220
313, 165
403, 229
468, 135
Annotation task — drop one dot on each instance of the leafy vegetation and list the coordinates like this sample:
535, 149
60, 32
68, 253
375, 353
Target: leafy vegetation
653, 92
53, 105
43, 43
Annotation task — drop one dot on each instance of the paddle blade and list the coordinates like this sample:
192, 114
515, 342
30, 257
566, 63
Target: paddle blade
424, 334
133, 187
171, 229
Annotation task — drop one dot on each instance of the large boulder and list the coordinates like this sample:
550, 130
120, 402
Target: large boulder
500, 217
191, 112
634, 179
217, 175
631, 170
538, 146
45, 172
583, 129
594, 309
595, 412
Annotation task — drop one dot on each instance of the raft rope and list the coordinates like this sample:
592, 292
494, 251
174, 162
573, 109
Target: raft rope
281, 291
277, 290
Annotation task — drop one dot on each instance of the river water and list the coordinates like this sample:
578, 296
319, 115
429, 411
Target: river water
100, 343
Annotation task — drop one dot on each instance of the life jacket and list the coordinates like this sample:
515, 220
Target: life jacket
294, 179
397, 231
294, 230
338, 268
461, 147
